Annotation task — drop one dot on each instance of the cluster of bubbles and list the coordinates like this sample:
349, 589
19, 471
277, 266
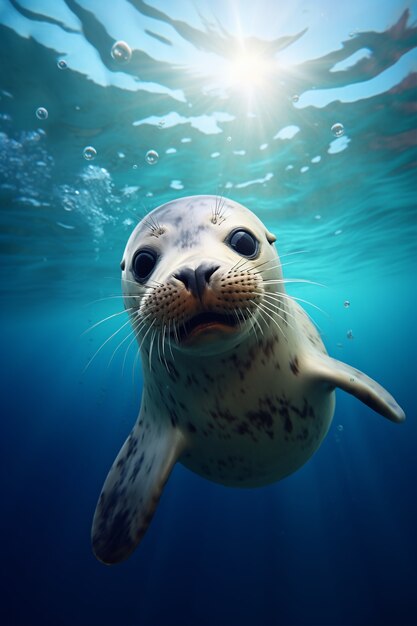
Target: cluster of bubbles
151, 157
42, 113
121, 52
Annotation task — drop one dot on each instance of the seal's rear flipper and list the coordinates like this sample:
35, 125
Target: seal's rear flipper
338, 374
132, 489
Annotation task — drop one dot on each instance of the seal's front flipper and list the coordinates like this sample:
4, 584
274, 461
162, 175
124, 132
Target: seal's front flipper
132, 489
338, 374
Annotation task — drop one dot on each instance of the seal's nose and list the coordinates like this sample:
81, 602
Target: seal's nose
196, 280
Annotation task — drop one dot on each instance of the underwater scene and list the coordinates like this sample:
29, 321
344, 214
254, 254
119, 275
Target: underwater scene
305, 113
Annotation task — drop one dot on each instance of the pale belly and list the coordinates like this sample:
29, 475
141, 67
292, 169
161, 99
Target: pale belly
257, 441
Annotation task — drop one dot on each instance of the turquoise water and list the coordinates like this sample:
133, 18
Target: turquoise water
238, 99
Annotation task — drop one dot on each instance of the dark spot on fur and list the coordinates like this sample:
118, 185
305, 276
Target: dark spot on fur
294, 366
288, 425
268, 347
173, 372
262, 421
132, 445
136, 468
174, 418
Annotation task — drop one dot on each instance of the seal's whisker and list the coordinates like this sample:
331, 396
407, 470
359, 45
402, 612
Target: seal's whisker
273, 267
143, 287
146, 333
273, 308
110, 298
261, 314
154, 332
262, 308
279, 297
217, 214
273, 299
163, 348
177, 339
242, 265
119, 345
255, 319
282, 256
109, 317
284, 295
133, 282
155, 228
250, 318
243, 320
130, 343
158, 346
168, 339
236, 265
274, 260
104, 343
140, 347
235, 312
281, 281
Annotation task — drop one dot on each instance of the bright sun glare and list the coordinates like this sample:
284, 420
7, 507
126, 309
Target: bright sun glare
246, 72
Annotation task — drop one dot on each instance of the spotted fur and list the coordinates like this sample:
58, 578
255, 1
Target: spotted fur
245, 403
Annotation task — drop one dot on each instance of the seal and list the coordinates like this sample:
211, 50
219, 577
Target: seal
238, 386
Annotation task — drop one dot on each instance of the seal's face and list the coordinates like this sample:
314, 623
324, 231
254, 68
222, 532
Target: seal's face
194, 274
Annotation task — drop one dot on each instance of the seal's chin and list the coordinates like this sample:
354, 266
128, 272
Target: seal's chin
207, 326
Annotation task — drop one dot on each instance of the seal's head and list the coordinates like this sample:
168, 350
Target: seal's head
195, 271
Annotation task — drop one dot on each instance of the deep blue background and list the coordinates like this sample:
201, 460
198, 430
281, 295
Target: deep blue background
333, 544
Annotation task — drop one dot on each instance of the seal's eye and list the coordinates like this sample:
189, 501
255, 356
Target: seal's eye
143, 263
243, 242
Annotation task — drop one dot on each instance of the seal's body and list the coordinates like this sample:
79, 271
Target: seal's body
237, 383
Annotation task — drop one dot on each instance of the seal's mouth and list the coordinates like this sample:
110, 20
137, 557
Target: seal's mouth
206, 321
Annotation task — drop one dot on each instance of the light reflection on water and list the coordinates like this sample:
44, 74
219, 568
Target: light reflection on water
293, 124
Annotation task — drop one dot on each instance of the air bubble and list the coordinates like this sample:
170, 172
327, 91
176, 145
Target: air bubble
229, 139
41, 113
349, 334
121, 52
152, 157
89, 153
340, 428
295, 98
62, 64
346, 304
338, 129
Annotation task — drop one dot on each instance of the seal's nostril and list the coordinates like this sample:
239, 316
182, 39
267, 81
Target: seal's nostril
208, 273
187, 276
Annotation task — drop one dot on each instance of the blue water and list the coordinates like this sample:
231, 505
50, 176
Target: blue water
238, 99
